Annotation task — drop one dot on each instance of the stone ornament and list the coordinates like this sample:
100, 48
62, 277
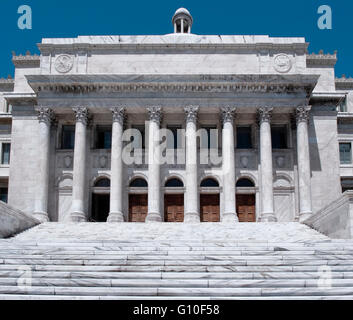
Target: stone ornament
265, 114
103, 161
64, 63
244, 160
81, 114
67, 161
118, 114
155, 114
302, 114
45, 115
280, 161
228, 114
191, 113
282, 63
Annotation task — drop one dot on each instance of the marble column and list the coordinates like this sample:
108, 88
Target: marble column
304, 172
154, 189
267, 202
116, 168
45, 117
191, 211
79, 170
228, 165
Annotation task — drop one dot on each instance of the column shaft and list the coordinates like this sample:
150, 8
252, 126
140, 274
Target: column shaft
191, 211
267, 203
116, 168
79, 170
228, 166
304, 172
154, 188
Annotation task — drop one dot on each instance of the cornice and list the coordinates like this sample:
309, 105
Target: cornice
321, 58
26, 60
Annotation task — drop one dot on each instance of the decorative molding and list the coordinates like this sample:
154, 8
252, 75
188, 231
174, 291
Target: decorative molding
45, 115
191, 113
81, 115
155, 114
28, 59
265, 114
321, 59
118, 114
228, 114
302, 114
344, 83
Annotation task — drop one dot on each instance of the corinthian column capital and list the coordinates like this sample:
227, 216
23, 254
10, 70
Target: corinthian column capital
228, 114
265, 114
118, 114
191, 113
155, 114
81, 114
302, 114
45, 115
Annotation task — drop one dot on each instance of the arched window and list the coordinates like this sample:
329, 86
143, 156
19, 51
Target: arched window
209, 182
174, 182
244, 182
103, 182
139, 183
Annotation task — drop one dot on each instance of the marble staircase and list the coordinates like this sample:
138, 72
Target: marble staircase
175, 261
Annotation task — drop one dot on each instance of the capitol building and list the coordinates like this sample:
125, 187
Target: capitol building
252, 128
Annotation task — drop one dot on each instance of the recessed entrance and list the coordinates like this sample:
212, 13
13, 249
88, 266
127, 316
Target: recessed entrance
100, 207
246, 207
209, 208
138, 207
174, 207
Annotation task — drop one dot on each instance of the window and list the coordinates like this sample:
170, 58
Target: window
140, 128
103, 137
211, 140
245, 183
279, 137
209, 182
342, 107
174, 182
103, 182
244, 140
3, 194
347, 184
346, 153
68, 137
5, 128
5, 153
175, 141
139, 183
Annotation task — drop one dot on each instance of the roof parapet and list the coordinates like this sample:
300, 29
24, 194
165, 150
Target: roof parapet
344, 83
321, 59
26, 60
7, 84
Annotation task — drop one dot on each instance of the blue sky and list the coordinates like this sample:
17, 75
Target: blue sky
64, 18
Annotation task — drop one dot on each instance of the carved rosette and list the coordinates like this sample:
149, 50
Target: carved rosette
118, 114
302, 114
155, 114
81, 115
227, 114
265, 114
45, 115
191, 113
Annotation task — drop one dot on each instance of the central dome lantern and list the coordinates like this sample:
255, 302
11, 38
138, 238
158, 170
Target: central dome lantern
182, 21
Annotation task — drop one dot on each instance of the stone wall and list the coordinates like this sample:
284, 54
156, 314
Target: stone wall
13, 221
335, 220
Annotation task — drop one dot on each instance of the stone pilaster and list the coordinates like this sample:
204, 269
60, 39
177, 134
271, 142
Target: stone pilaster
304, 172
228, 165
192, 212
116, 168
154, 189
267, 201
45, 117
77, 213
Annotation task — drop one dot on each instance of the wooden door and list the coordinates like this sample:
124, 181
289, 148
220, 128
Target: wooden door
209, 207
138, 207
173, 207
246, 207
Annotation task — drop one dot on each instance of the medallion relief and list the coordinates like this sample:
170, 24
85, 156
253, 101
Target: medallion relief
282, 63
64, 63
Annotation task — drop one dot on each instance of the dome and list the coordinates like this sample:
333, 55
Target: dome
182, 21
182, 10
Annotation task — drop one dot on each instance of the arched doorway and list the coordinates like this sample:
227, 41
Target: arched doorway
174, 200
209, 200
245, 200
100, 200
138, 200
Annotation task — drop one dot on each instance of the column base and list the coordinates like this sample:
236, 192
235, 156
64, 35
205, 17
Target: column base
229, 217
268, 217
115, 217
304, 215
191, 217
77, 216
41, 216
153, 217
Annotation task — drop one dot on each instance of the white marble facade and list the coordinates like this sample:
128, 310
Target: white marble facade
178, 79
